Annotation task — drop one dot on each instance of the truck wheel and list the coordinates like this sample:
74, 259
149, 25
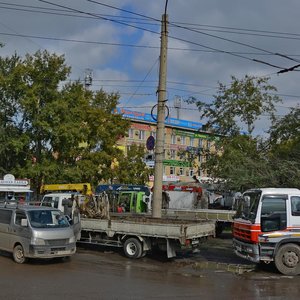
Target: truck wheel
287, 259
133, 248
18, 254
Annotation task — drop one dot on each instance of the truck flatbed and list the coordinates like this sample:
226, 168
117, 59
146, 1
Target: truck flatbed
143, 232
201, 214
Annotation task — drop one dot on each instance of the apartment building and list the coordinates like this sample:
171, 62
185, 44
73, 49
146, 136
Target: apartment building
184, 141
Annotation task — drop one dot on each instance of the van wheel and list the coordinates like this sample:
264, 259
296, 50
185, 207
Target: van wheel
133, 248
18, 254
287, 259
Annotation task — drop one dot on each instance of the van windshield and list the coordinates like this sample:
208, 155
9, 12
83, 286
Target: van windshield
47, 218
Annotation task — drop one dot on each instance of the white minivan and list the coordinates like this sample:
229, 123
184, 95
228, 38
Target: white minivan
35, 232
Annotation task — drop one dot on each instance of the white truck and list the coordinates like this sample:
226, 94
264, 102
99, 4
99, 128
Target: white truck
267, 228
189, 201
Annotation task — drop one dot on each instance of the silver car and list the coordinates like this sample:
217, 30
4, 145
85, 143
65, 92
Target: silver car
35, 232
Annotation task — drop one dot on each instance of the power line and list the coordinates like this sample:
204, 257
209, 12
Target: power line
150, 70
246, 31
123, 44
180, 39
236, 42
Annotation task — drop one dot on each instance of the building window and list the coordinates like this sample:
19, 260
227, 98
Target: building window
172, 170
181, 171
183, 140
192, 142
173, 139
130, 133
141, 134
191, 172
173, 154
200, 143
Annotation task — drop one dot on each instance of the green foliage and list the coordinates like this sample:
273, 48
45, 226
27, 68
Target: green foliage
242, 161
132, 169
57, 132
239, 105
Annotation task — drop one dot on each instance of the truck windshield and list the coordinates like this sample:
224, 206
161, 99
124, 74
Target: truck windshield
47, 218
247, 208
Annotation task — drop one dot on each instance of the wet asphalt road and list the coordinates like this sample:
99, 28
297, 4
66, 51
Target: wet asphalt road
101, 273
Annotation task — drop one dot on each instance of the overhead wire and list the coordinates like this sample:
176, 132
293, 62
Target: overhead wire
151, 31
211, 49
246, 31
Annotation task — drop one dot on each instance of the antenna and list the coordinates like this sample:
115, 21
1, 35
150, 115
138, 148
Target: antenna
88, 78
177, 104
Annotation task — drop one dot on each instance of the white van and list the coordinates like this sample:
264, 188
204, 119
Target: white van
35, 232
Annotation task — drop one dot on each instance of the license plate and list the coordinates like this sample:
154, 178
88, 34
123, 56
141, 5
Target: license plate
62, 252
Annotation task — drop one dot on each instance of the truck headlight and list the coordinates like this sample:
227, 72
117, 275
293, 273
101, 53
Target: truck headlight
72, 239
249, 250
37, 241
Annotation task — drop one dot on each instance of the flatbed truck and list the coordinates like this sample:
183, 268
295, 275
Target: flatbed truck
139, 234
223, 218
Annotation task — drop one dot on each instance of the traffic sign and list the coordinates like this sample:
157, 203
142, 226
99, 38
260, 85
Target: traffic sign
150, 143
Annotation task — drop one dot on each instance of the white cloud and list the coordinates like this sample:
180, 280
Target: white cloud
194, 71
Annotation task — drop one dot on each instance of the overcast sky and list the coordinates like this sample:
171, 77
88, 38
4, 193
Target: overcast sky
122, 48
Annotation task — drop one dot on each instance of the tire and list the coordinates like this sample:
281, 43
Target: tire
287, 259
19, 255
133, 248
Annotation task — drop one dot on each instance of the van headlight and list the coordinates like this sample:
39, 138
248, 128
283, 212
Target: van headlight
37, 241
72, 239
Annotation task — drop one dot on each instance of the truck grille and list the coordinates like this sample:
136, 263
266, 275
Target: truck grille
60, 242
241, 233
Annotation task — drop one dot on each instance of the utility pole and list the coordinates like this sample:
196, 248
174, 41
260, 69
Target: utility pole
160, 129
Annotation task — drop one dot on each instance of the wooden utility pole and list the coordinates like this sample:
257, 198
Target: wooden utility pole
160, 131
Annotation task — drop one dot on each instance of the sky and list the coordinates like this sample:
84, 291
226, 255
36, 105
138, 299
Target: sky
117, 42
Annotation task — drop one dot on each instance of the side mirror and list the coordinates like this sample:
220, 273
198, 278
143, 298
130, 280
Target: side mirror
24, 222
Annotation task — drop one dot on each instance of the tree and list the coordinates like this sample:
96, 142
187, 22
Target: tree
286, 128
53, 130
240, 160
132, 169
284, 148
239, 105
13, 143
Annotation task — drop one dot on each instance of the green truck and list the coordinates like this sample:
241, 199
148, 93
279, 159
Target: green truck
126, 198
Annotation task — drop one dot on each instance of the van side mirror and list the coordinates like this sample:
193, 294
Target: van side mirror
24, 222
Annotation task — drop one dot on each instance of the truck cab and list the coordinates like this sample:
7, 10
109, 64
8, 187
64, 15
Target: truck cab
66, 204
266, 228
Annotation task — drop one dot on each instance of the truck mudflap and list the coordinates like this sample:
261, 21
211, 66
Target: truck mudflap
246, 251
171, 251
